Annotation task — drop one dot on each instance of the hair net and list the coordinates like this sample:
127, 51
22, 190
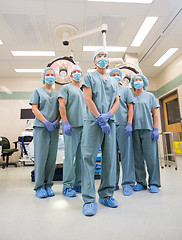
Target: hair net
44, 72
145, 81
75, 67
99, 51
115, 70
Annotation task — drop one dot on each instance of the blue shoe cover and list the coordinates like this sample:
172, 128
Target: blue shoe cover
154, 189
50, 192
89, 209
139, 187
41, 193
116, 188
127, 191
69, 192
78, 189
109, 202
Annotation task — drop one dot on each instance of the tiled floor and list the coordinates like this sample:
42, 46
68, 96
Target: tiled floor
140, 216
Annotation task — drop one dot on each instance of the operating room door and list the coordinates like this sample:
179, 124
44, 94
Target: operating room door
172, 117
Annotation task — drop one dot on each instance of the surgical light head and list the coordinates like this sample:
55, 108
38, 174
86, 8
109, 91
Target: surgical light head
145, 80
44, 72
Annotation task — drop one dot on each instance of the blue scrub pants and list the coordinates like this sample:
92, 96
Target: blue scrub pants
125, 146
45, 153
93, 138
145, 148
71, 168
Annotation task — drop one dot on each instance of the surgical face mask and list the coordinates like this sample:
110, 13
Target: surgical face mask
50, 79
102, 62
138, 84
77, 76
118, 79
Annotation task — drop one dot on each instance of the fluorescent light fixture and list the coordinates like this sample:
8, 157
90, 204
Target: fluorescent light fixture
143, 31
5, 89
1, 43
109, 48
123, 1
93, 70
33, 53
164, 58
29, 70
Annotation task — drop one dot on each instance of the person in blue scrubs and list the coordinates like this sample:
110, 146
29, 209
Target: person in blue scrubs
45, 106
124, 117
145, 135
102, 101
71, 107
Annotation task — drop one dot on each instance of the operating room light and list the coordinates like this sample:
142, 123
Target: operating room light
109, 48
165, 57
143, 31
123, 1
29, 70
1, 43
33, 53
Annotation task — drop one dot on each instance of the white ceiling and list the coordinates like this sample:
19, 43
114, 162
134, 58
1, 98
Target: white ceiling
30, 25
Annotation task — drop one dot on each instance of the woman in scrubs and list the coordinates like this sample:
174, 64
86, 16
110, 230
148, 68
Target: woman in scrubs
71, 107
145, 135
124, 117
45, 106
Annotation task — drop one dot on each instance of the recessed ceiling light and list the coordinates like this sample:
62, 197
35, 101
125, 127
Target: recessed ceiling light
143, 31
1, 43
29, 70
33, 53
108, 48
165, 57
123, 1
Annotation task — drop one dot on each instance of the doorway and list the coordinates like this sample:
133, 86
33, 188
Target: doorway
171, 123
171, 113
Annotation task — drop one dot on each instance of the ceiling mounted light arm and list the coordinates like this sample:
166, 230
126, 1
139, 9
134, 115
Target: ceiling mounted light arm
68, 33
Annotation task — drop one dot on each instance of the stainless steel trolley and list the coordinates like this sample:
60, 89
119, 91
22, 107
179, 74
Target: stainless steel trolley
171, 142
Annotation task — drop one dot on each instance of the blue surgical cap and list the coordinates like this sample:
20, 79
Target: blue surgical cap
145, 80
44, 72
99, 51
115, 70
75, 67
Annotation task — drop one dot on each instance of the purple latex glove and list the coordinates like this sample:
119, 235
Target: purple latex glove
67, 128
55, 123
105, 128
128, 130
49, 126
103, 118
155, 134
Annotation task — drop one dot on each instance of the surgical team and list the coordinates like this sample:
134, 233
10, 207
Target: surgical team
97, 112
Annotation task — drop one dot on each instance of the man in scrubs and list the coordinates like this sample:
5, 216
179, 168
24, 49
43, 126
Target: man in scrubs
102, 101
145, 135
71, 107
124, 117
45, 106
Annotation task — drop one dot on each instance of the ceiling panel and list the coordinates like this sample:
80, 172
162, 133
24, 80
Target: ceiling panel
30, 25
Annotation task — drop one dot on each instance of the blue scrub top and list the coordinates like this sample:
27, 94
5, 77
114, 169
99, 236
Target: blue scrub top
47, 103
75, 106
142, 118
104, 93
126, 97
